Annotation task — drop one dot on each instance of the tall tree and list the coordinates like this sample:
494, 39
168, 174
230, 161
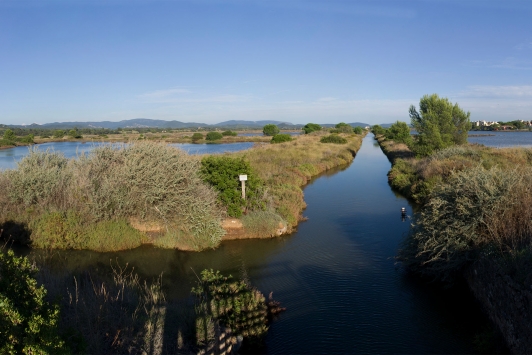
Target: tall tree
439, 123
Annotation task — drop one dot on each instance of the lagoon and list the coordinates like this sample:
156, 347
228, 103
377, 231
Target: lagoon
501, 139
9, 157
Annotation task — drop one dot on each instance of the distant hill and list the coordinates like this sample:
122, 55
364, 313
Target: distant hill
149, 123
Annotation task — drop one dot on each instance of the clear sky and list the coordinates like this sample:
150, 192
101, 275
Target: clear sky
299, 61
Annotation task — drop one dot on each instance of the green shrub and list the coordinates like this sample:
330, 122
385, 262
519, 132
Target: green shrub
223, 174
333, 138
270, 130
357, 130
59, 133
344, 128
281, 138
28, 324
9, 136
399, 132
196, 137
229, 134
213, 136
73, 133
311, 127
377, 129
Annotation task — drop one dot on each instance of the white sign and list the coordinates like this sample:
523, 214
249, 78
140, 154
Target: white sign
243, 177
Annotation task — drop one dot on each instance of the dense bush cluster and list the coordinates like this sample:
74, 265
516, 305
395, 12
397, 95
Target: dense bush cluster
477, 210
222, 173
311, 127
214, 136
82, 203
333, 138
281, 138
270, 130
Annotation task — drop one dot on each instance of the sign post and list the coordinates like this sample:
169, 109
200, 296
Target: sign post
243, 178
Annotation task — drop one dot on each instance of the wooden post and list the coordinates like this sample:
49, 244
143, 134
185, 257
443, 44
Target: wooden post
243, 179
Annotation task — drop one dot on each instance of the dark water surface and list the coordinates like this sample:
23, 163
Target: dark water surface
336, 275
9, 157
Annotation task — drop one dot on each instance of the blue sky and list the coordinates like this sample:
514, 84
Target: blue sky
288, 60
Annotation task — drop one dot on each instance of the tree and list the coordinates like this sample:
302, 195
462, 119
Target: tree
399, 132
357, 130
59, 133
213, 136
196, 137
311, 127
344, 128
9, 135
377, 129
270, 130
439, 123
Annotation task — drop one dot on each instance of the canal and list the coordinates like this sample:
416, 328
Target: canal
336, 275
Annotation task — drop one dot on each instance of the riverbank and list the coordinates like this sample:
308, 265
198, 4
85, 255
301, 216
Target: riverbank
153, 194
474, 223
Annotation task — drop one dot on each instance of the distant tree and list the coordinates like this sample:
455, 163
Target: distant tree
196, 137
229, 133
213, 136
439, 124
518, 124
9, 135
377, 129
73, 133
59, 133
280, 138
399, 132
311, 127
344, 128
357, 130
270, 130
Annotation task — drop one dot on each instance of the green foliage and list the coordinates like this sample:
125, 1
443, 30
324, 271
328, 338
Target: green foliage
229, 134
27, 139
73, 133
333, 138
311, 127
196, 137
223, 174
377, 129
59, 133
233, 303
344, 128
357, 130
280, 138
9, 136
439, 124
213, 136
28, 324
270, 130
399, 132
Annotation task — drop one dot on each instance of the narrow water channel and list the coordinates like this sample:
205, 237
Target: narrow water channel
336, 275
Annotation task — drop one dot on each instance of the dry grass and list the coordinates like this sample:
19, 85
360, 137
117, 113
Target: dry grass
288, 166
150, 183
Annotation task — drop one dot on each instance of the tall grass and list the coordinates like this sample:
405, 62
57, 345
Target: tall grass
84, 203
286, 167
477, 210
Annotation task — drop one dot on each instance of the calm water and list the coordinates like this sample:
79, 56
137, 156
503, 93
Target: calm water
502, 139
336, 275
9, 157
